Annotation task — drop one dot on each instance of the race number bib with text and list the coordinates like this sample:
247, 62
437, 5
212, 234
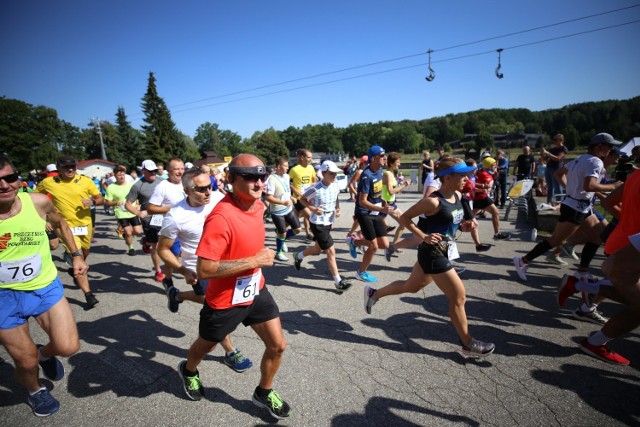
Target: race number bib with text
247, 287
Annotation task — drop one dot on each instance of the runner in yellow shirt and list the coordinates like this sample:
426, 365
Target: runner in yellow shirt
72, 196
302, 175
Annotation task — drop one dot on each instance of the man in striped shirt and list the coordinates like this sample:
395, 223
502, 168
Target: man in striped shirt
322, 201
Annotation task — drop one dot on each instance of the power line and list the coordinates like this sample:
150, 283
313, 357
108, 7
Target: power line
492, 51
342, 70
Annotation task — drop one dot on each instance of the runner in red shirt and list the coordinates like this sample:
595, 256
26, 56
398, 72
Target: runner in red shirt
231, 255
481, 199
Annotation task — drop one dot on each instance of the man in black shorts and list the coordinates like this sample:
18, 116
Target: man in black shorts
141, 192
116, 196
236, 292
369, 206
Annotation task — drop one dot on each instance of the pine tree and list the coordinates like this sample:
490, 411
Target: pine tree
128, 141
160, 135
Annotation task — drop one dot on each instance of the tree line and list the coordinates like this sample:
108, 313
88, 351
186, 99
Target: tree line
34, 136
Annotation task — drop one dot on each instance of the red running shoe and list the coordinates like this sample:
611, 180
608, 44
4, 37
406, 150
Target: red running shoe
566, 289
603, 352
159, 276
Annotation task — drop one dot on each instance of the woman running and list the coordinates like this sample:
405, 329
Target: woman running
444, 213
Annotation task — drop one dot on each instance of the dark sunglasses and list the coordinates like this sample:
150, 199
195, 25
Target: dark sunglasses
10, 179
202, 189
253, 177
68, 165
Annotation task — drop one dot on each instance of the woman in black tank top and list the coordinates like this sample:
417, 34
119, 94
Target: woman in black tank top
444, 214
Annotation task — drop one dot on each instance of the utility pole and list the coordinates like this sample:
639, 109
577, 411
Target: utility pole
96, 123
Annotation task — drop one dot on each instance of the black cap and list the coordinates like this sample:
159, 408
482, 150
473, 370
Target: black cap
66, 160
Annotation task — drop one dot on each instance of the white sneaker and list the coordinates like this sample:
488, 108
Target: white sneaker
585, 276
555, 259
521, 268
285, 248
281, 257
369, 299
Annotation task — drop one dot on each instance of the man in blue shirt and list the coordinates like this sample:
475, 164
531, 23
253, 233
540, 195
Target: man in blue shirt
370, 211
503, 170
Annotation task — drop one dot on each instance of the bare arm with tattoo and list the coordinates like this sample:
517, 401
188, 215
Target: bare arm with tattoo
209, 269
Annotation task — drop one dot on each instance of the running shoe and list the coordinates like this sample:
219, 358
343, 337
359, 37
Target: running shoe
192, 384
42, 403
585, 276
281, 257
67, 259
521, 268
309, 238
459, 270
237, 361
603, 352
296, 262
569, 250
173, 304
477, 348
566, 289
369, 298
91, 300
273, 403
366, 277
502, 236
390, 228
389, 251
590, 316
52, 367
285, 248
555, 259
167, 283
146, 248
353, 251
342, 286
159, 276
131, 252
483, 247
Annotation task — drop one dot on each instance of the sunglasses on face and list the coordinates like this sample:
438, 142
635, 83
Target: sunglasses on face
253, 177
203, 189
10, 179
71, 166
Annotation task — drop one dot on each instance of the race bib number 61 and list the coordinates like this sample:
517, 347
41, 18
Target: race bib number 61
247, 287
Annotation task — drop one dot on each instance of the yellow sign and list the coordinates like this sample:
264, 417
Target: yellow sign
228, 159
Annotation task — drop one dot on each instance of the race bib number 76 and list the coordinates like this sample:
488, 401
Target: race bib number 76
20, 270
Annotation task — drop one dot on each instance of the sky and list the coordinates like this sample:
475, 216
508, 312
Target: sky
252, 65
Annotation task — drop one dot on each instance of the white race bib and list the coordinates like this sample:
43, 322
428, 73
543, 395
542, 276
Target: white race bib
20, 270
247, 287
80, 231
376, 212
453, 251
156, 220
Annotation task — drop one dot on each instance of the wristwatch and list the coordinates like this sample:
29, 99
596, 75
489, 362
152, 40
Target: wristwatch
76, 253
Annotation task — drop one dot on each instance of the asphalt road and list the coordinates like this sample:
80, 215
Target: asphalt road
342, 367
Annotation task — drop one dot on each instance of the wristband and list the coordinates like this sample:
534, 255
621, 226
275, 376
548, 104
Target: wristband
76, 253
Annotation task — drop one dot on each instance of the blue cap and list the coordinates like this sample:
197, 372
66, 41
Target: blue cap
376, 150
457, 168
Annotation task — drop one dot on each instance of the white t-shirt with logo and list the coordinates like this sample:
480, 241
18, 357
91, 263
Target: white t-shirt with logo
578, 169
185, 223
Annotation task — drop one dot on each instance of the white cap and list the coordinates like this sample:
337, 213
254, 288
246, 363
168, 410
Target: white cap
149, 165
52, 167
329, 166
188, 165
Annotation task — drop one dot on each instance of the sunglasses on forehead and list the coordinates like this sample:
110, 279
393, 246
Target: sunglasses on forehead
10, 179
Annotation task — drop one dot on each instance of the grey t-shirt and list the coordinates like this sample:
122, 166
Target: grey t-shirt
141, 191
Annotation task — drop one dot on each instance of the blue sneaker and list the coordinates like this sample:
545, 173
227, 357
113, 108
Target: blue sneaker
237, 361
353, 249
366, 277
52, 368
43, 404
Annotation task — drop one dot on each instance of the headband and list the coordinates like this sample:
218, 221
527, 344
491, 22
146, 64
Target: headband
247, 170
457, 168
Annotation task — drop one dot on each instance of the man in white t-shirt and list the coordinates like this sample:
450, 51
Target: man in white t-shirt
166, 195
184, 224
581, 177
